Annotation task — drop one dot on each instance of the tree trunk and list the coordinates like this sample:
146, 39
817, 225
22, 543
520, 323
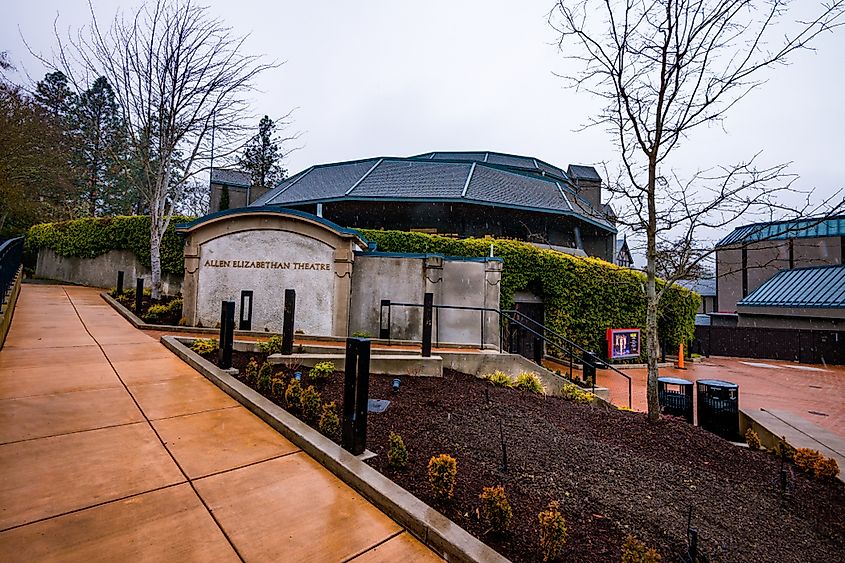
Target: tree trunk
155, 257
652, 340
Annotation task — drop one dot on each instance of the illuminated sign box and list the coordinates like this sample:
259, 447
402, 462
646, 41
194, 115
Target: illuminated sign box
623, 343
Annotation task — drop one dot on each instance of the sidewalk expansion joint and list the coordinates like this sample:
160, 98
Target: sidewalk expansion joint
157, 435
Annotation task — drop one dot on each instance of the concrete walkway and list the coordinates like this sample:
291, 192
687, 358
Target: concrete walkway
111, 448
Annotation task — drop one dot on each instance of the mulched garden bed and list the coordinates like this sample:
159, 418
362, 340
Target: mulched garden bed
613, 472
168, 313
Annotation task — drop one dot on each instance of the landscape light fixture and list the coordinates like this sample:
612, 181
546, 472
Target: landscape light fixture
396, 385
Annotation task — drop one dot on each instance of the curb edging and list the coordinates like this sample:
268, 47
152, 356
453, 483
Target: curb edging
433, 529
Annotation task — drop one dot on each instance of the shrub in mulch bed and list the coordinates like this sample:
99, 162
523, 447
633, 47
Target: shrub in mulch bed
166, 311
613, 474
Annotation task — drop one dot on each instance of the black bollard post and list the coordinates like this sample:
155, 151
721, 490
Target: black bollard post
227, 328
384, 329
119, 288
139, 295
362, 392
428, 307
287, 322
350, 376
692, 553
246, 310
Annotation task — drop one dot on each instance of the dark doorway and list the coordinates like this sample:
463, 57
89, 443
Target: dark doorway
524, 342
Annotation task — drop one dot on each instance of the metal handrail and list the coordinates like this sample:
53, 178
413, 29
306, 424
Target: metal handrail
11, 252
506, 314
574, 345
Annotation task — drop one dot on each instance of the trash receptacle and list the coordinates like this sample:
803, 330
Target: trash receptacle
718, 407
675, 396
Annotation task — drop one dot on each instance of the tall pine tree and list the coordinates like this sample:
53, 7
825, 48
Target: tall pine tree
102, 150
262, 156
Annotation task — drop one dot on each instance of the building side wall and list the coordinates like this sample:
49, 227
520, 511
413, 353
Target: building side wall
237, 196
766, 258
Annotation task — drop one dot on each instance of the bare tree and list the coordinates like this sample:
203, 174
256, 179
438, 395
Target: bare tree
176, 72
664, 68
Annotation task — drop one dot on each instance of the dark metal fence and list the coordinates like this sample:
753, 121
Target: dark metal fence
10, 262
805, 346
509, 321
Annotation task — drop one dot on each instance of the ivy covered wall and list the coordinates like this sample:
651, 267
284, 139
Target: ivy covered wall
582, 296
93, 236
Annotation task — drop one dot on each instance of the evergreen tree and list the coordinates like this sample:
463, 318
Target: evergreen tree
224, 198
262, 156
54, 94
102, 150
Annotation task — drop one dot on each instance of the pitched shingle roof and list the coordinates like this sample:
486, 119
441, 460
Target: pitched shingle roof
816, 287
230, 177
580, 172
811, 227
429, 178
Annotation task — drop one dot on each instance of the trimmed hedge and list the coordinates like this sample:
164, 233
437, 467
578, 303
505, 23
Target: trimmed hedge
583, 296
94, 236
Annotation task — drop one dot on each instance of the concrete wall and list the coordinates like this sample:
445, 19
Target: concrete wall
238, 196
100, 271
406, 279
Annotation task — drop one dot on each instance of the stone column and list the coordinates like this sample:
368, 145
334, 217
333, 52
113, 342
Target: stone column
189, 284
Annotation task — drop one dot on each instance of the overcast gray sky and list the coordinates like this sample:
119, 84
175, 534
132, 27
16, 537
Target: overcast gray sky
375, 78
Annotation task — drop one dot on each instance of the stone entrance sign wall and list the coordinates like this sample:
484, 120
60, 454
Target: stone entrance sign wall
268, 251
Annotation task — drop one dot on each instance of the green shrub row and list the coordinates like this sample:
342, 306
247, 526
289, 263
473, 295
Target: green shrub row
583, 296
94, 236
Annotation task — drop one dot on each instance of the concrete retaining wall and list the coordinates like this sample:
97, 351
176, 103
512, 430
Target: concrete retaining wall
407, 278
100, 271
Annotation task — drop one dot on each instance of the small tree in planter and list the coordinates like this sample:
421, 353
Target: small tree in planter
497, 509
397, 453
552, 531
329, 421
310, 403
293, 395
442, 470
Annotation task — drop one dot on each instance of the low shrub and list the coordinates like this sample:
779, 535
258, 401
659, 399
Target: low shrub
321, 371
442, 471
204, 346
329, 421
528, 381
500, 379
572, 392
625, 409
635, 551
361, 334
310, 402
497, 509
251, 370
397, 453
272, 346
752, 439
155, 313
826, 468
552, 531
293, 395
805, 459
265, 374
277, 386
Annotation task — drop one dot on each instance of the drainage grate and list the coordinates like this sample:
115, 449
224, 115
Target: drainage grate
818, 413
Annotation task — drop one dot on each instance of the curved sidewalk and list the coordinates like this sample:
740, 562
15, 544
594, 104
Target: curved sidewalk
111, 448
